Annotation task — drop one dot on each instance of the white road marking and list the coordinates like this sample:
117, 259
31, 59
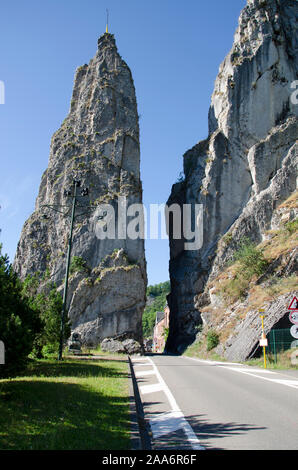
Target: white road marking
176, 415
249, 371
212, 362
166, 422
140, 362
172, 421
256, 371
151, 388
141, 365
288, 383
144, 373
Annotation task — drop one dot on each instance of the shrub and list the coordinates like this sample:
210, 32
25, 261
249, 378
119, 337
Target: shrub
251, 259
165, 333
212, 340
227, 238
77, 264
235, 288
48, 307
250, 262
292, 226
49, 350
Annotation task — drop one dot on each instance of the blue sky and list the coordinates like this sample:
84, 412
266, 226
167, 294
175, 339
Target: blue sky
173, 48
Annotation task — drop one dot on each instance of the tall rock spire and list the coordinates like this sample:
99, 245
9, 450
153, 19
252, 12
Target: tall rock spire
99, 143
247, 165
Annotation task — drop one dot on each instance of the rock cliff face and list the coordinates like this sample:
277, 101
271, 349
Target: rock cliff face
98, 143
247, 166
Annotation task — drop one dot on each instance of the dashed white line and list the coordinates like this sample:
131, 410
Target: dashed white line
151, 388
175, 416
144, 373
139, 363
160, 424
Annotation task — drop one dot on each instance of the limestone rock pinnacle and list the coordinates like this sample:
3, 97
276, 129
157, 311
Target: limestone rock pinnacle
98, 142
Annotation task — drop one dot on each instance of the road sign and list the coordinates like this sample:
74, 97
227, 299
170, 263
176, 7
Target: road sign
294, 304
293, 317
263, 340
294, 331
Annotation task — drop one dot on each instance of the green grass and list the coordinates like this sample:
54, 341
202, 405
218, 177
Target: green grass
73, 405
283, 361
202, 349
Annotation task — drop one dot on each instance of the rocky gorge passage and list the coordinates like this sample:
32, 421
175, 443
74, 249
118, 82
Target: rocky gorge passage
244, 170
98, 143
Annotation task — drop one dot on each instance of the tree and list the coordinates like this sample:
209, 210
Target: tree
48, 305
19, 323
158, 289
157, 295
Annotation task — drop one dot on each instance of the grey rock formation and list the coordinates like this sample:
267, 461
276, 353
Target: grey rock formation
121, 345
244, 341
245, 329
248, 164
98, 143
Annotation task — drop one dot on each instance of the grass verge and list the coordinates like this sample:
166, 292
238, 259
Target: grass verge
282, 360
73, 405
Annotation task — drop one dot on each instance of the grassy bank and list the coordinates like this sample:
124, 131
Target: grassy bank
76, 404
199, 349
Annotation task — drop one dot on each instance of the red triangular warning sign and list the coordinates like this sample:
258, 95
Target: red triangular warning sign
294, 304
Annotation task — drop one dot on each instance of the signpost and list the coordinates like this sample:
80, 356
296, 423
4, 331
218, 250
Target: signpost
294, 304
293, 317
263, 340
294, 331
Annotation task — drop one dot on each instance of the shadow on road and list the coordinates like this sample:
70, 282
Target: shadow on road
209, 430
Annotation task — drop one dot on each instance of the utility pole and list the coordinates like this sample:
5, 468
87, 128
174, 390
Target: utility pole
76, 184
74, 194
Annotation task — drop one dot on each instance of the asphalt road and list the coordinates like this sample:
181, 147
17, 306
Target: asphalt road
218, 405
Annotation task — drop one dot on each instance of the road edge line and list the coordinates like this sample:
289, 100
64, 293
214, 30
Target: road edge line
145, 440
